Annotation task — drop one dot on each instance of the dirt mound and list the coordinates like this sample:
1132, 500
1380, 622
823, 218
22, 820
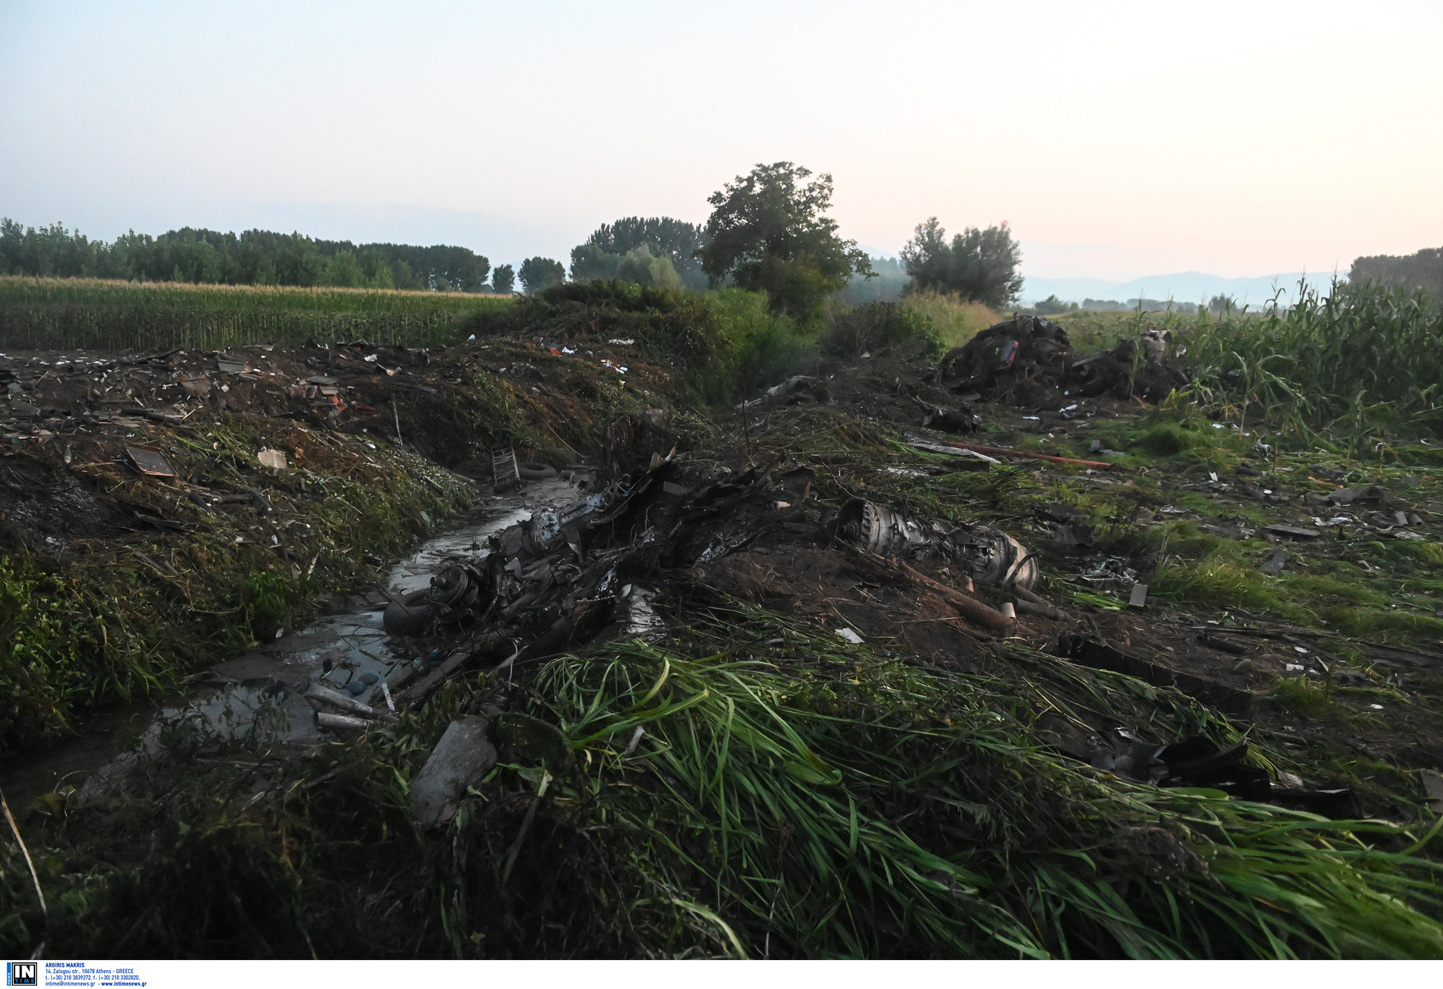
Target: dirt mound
1028, 360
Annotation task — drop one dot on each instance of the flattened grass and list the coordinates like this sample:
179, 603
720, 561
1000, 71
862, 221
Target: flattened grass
856, 807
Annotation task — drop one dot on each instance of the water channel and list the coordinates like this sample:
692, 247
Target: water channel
263, 690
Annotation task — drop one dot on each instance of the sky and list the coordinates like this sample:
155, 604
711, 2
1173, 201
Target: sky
1117, 139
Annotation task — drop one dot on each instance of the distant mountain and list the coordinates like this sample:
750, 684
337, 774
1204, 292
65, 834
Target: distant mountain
1187, 286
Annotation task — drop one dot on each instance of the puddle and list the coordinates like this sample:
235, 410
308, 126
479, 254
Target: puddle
262, 692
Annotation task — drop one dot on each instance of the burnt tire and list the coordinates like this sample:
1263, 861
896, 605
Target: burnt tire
530, 470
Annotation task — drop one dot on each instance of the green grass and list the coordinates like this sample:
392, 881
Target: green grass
1363, 362
956, 320
91, 314
851, 806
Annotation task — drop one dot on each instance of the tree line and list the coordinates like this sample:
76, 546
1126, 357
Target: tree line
768, 231
255, 257
1423, 270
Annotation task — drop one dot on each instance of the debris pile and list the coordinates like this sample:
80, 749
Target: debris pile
617, 561
1029, 360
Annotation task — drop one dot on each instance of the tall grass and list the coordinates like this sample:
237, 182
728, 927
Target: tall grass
92, 314
955, 320
774, 808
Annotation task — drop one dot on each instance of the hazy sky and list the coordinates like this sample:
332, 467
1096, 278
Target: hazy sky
1118, 139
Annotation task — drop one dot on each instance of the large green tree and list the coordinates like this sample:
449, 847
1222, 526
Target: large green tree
541, 273
768, 232
979, 265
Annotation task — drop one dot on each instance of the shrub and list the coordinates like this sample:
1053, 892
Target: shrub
877, 326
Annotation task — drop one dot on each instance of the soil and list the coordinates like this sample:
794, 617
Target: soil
703, 512
1168, 643
90, 408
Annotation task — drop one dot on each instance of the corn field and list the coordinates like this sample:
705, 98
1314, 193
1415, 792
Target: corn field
90, 314
1360, 357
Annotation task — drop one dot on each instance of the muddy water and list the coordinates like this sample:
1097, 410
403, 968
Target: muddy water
262, 691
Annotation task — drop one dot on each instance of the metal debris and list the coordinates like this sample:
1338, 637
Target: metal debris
992, 556
462, 757
1292, 531
150, 462
1275, 563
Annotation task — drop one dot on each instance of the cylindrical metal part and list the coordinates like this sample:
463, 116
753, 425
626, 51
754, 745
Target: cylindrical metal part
342, 702
342, 722
992, 556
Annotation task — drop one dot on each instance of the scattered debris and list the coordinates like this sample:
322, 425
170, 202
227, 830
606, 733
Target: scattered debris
948, 420
1432, 789
796, 389
1027, 455
149, 461
462, 757
1091, 652
1348, 496
1275, 563
1292, 531
505, 472
981, 460
992, 556
1222, 644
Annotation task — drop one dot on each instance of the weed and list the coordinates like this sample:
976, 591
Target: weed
1303, 697
875, 327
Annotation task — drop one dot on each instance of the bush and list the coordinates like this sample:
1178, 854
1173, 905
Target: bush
875, 327
758, 347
